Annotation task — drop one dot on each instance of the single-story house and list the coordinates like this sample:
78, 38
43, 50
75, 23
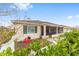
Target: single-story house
37, 28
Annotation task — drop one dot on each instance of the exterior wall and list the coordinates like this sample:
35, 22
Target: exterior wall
19, 31
34, 35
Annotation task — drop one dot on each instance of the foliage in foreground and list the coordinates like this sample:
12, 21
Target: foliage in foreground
68, 45
22, 52
35, 46
7, 52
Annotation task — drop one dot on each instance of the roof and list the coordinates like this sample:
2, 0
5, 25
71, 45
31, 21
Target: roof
35, 21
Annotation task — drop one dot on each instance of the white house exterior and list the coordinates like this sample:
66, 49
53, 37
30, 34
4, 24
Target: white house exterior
37, 29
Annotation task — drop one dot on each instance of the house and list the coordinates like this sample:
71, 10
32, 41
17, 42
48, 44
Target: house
37, 29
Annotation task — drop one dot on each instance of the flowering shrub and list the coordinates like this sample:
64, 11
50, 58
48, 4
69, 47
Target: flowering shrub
27, 40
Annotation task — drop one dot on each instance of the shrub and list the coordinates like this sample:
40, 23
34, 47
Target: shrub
68, 45
7, 52
22, 52
35, 45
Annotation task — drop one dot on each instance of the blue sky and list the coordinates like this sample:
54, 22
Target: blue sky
60, 13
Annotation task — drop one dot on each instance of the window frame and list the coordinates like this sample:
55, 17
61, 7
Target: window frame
26, 31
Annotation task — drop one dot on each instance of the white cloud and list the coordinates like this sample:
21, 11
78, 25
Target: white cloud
69, 17
73, 17
77, 16
23, 6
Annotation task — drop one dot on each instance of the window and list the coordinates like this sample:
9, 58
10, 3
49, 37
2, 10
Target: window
30, 29
60, 29
25, 29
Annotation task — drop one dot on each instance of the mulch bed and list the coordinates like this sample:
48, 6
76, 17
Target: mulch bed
20, 45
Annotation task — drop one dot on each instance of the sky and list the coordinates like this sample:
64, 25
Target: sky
59, 13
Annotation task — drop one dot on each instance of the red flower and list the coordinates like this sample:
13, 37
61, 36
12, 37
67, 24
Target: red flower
26, 41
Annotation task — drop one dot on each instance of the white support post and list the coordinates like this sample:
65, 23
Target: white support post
63, 29
44, 30
39, 30
57, 29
